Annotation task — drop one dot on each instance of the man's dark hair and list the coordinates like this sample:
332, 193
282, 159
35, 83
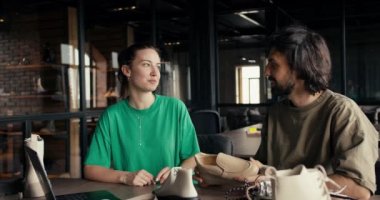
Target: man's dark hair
126, 57
307, 54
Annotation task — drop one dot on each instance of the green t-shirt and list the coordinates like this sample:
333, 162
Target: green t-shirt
332, 131
129, 139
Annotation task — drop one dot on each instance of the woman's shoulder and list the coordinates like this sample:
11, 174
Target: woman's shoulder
170, 101
117, 107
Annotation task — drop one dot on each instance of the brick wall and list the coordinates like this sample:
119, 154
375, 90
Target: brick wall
21, 54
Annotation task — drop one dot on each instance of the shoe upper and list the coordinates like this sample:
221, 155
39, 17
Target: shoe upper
212, 166
300, 183
178, 184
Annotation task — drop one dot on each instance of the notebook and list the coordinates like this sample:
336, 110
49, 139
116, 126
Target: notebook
46, 185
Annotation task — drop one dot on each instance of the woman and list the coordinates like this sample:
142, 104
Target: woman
138, 139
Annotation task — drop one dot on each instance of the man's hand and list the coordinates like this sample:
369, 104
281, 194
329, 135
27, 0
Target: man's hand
255, 178
256, 162
199, 178
138, 178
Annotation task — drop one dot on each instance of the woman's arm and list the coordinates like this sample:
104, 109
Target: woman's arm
102, 174
189, 163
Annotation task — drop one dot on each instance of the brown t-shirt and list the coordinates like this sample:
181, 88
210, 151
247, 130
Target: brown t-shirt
332, 131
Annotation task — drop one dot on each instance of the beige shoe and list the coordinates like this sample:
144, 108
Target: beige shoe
300, 183
222, 168
179, 185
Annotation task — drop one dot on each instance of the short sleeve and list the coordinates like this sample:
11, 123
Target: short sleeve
262, 152
99, 152
355, 142
190, 145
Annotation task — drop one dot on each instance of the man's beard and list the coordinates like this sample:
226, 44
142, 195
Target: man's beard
278, 90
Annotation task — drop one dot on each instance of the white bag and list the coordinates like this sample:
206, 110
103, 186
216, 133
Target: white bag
33, 187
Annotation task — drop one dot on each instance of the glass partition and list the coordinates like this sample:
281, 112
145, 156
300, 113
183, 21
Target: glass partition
38, 73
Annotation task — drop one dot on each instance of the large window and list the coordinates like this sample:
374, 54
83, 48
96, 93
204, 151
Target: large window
248, 84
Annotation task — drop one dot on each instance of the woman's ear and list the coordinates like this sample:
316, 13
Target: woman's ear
126, 70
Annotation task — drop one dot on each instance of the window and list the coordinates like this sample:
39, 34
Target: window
247, 84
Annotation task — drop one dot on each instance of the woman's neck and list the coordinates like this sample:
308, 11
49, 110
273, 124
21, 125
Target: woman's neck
141, 101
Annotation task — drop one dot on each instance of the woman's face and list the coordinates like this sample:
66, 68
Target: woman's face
144, 72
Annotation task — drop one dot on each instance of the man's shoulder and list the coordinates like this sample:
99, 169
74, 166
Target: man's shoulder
340, 100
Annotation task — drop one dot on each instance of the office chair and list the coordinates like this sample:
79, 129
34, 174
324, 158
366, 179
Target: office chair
214, 144
206, 121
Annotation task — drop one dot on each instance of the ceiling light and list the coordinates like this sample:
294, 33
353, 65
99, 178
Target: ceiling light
250, 20
244, 12
123, 8
2, 20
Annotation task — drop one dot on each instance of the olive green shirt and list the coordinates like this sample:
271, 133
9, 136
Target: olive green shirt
332, 131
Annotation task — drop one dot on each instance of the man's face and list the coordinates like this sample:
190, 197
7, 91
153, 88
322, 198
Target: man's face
279, 74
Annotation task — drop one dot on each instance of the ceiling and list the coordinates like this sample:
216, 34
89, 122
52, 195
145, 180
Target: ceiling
238, 21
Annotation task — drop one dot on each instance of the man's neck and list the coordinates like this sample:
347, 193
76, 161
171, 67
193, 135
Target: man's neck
141, 100
301, 97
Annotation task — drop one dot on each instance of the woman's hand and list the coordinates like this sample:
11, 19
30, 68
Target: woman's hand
137, 178
163, 175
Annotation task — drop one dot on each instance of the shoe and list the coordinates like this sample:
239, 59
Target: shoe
179, 185
221, 169
300, 183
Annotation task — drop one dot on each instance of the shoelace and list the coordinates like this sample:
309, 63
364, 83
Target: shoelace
262, 190
325, 179
237, 192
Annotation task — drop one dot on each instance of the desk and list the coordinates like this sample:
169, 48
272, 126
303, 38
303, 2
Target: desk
68, 186
245, 145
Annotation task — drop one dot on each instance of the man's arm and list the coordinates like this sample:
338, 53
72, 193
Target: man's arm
353, 189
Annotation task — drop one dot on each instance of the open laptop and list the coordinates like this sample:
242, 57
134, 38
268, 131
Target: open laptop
46, 185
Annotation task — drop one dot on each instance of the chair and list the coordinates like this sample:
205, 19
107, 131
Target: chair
377, 172
206, 121
214, 144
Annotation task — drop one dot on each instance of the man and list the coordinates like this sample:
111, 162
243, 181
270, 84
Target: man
313, 125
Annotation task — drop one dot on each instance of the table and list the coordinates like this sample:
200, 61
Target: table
244, 145
68, 186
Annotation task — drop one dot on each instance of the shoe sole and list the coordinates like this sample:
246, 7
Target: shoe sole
177, 198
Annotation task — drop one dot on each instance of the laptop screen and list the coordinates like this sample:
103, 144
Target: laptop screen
41, 173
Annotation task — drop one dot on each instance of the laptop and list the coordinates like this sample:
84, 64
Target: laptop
46, 185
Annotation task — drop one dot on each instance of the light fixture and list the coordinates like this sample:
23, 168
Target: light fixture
244, 12
172, 43
2, 20
119, 9
250, 20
